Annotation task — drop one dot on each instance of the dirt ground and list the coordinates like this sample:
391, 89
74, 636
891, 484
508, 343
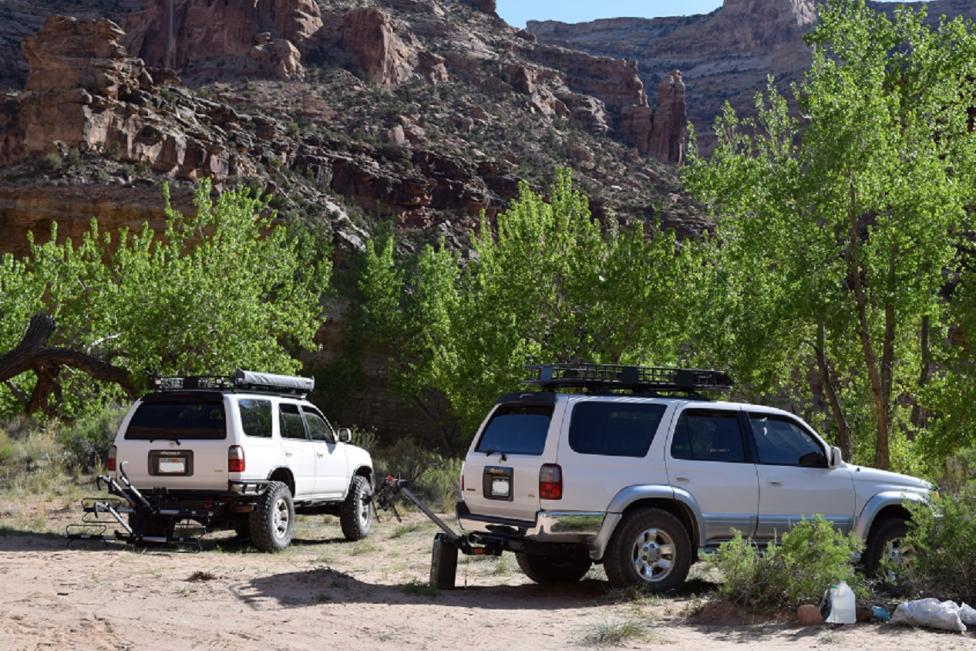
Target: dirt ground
326, 593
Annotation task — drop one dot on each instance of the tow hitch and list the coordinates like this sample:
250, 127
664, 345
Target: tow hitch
447, 544
101, 513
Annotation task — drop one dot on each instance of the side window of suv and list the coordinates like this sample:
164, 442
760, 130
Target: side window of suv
782, 442
256, 417
291, 423
703, 435
318, 428
614, 429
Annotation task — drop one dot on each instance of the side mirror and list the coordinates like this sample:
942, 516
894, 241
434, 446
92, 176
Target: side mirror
345, 435
836, 457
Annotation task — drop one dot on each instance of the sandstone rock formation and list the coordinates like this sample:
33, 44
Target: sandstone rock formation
484, 6
724, 55
368, 37
177, 33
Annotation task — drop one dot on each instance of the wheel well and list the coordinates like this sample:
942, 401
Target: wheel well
284, 475
675, 508
890, 512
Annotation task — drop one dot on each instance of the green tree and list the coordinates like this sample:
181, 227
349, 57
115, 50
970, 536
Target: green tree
838, 222
547, 282
224, 287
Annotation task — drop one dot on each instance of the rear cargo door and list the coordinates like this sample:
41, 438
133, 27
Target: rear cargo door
501, 472
177, 441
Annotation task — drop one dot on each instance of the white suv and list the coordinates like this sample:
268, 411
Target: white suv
243, 453
639, 472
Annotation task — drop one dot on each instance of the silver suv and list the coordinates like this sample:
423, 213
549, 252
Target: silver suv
636, 470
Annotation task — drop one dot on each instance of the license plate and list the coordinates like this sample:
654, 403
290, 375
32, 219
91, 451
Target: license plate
172, 465
501, 488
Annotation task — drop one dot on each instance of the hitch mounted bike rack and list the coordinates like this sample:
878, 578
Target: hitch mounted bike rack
447, 544
100, 513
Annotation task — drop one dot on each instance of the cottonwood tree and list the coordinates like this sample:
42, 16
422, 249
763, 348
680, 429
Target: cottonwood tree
838, 221
225, 286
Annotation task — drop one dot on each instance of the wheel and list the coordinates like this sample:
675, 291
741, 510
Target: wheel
356, 513
650, 550
885, 542
443, 563
273, 518
554, 570
153, 527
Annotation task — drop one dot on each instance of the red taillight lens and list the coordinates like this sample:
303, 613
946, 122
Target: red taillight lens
235, 459
110, 464
550, 482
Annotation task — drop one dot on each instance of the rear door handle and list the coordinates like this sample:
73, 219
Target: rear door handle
681, 479
775, 482
288, 454
319, 455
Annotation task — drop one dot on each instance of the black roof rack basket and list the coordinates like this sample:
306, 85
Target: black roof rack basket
241, 381
637, 379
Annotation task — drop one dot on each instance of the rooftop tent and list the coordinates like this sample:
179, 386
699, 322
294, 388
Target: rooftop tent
255, 381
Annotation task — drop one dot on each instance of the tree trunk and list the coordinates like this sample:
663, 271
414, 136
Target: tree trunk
830, 388
32, 354
920, 416
864, 331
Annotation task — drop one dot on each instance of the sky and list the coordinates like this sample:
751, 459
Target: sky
516, 12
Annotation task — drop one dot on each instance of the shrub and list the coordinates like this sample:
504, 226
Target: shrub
810, 558
32, 459
940, 540
87, 440
431, 476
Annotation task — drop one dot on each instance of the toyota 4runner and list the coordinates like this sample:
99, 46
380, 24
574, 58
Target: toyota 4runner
245, 453
638, 472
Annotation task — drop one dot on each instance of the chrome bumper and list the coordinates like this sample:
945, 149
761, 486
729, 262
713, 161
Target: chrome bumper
591, 528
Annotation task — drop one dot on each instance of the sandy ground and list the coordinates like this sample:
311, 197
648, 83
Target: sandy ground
327, 593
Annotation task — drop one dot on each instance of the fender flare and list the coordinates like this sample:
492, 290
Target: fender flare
631, 494
868, 514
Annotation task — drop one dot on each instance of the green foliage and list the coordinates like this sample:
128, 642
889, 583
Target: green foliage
227, 286
837, 229
810, 558
939, 547
546, 282
431, 476
86, 441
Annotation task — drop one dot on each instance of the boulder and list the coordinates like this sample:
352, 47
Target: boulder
367, 37
809, 615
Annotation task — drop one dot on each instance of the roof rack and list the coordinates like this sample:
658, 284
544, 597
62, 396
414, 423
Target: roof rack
241, 381
636, 379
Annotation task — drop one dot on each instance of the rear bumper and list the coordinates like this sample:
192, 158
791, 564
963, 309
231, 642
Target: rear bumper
591, 529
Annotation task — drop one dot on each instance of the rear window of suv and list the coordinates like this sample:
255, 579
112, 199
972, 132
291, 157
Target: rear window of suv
517, 429
178, 420
614, 429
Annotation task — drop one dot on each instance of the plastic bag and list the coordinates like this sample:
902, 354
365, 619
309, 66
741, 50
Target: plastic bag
930, 613
967, 614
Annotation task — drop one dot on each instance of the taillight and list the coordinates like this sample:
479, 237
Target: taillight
235, 459
550, 482
110, 464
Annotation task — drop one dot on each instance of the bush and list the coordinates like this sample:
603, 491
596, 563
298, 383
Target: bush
31, 458
942, 556
810, 558
87, 440
432, 477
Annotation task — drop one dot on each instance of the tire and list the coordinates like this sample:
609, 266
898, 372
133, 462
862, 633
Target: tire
889, 530
554, 570
273, 519
149, 526
356, 512
443, 563
660, 536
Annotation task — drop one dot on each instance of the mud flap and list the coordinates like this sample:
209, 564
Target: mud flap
443, 563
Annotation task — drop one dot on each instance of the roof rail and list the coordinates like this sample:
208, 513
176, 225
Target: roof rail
637, 379
241, 381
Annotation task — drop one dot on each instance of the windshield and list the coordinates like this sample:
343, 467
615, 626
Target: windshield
516, 430
178, 420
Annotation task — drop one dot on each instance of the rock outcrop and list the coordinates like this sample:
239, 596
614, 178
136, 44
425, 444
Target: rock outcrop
489, 7
725, 55
178, 33
367, 36
84, 92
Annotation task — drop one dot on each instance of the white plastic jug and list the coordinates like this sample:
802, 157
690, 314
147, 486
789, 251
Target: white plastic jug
843, 609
